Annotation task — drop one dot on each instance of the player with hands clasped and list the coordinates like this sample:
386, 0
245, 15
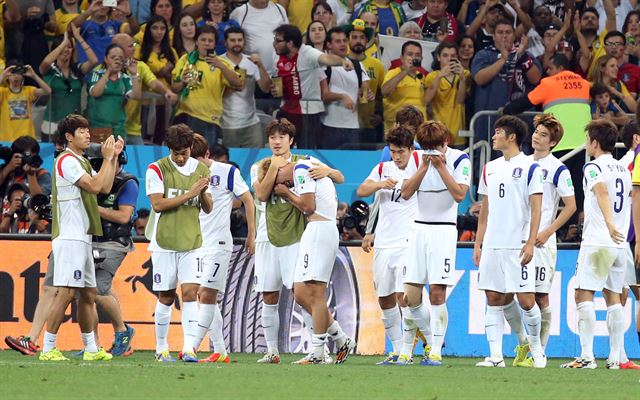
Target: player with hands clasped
178, 188
602, 259
512, 188
394, 221
441, 181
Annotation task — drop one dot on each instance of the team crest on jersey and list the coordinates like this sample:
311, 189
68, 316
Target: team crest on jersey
517, 173
465, 171
569, 182
215, 180
301, 180
157, 278
77, 274
544, 174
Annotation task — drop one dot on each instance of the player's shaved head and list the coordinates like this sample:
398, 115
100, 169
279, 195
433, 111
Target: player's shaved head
433, 134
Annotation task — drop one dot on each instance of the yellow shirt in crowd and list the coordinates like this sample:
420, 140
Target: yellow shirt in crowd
203, 102
156, 64
15, 113
140, 35
445, 108
132, 109
299, 13
410, 91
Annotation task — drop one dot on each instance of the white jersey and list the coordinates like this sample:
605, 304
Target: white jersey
73, 220
508, 185
627, 159
343, 82
395, 215
324, 189
239, 106
605, 169
154, 185
556, 183
435, 203
225, 184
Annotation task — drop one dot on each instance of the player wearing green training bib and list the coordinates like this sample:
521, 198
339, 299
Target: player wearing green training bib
280, 227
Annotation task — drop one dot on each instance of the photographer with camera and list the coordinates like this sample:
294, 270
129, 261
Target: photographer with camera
22, 164
16, 99
405, 85
15, 218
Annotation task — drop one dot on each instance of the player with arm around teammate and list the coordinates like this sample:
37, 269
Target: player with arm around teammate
225, 185
317, 253
512, 189
392, 226
602, 257
441, 181
178, 188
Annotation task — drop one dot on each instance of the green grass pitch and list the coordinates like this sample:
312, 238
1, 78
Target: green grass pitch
140, 377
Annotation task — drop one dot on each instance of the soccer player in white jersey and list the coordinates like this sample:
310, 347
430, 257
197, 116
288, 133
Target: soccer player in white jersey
557, 184
512, 188
225, 184
277, 248
317, 199
602, 258
441, 181
394, 219
75, 219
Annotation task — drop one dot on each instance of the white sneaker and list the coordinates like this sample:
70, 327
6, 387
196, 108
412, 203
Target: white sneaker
311, 359
490, 362
539, 360
270, 358
613, 365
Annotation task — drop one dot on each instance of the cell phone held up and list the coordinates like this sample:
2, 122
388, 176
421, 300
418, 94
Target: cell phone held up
110, 3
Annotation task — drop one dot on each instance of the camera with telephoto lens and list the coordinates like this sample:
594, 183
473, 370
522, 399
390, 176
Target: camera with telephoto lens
32, 160
355, 218
39, 203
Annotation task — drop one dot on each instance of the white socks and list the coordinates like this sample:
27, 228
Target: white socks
512, 315
317, 342
337, 334
271, 326
49, 341
615, 325
205, 316
89, 341
391, 320
408, 333
162, 319
533, 320
420, 316
215, 332
189, 322
439, 327
586, 323
494, 327
545, 326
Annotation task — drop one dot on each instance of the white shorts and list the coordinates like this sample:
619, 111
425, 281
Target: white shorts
274, 266
544, 260
73, 260
388, 265
215, 261
317, 253
500, 271
601, 267
431, 254
631, 274
169, 268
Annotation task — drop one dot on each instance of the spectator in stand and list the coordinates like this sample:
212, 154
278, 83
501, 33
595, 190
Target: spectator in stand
371, 21
483, 25
98, 28
24, 168
201, 78
68, 11
536, 28
369, 113
109, 89
553, 41
160, 58
410, 30
389, 14
15, 217
342, 90
466, 50
437, 24
503, 72
9, 14
322, 12
16, 100
614, 45
65, 78
298, 66
602, 107
26, 38
316, 35
414, 9
622, 8
631, 29
447, 89
606, 72
299, 12
167, 9
240, 124
140, 224
587, 38
141, 10
216, 14
405, 85
184, 38
258, 18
